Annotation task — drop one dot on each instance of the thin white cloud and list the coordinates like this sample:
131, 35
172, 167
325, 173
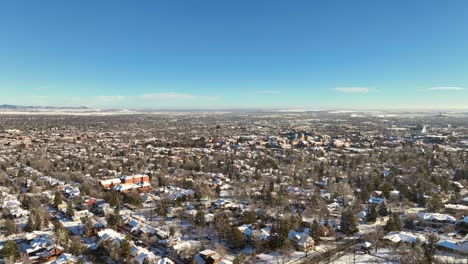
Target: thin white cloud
268, 92
447, 88
352, 89
163, 97
43, 97
168, 96
111, 98
176, 96
41, 88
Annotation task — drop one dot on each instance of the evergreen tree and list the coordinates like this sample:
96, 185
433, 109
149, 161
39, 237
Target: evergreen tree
58, 199
29, 224
396, 220
125, 249
61, 235
315, 232
372, 214
348, 223
70, 211
383, 210
240, 259
236, 238
393, 223
37, 220
279, 233
112, 197
249, 217
113, 220
9, 227
435, 204
33, 222
76, 248
10, 249
430, 248
364, 194
222, 224
200, 218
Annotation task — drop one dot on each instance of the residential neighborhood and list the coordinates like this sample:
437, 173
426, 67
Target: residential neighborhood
267, 187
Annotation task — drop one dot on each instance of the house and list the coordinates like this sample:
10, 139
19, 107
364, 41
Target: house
141, 254
435, 219
376, 200
394, 195
164, 261
63, 206
78, 215
460, 247
263, 233
463, 225
38, 242
69, 191
49, 255
183, 248
209, 217
364, 246
88, 201
456, 208
111, 234
64, 258
19, 212
246, 230
362, 215
302, 240
208, 256
74, 227
406, 237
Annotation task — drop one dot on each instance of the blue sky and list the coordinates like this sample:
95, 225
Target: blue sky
235, 54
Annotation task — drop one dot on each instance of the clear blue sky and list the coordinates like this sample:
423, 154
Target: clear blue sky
234, 54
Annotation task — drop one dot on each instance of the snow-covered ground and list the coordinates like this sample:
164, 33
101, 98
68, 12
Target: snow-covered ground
382, 256
451, 258
370, 227
385, 255
294, 257
275, 258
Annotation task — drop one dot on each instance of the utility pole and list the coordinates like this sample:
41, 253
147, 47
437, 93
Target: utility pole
354, 255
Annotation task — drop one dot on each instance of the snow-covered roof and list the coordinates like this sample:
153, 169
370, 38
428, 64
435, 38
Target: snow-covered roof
362, 215
111, 234
301, 238
129, 186
447, 244
457, 207
437, 217
404, 236
110, 181
64, 259
245, 229
460, 246
376, 200
164, 261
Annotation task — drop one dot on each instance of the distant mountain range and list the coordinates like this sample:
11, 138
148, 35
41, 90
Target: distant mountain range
21, 107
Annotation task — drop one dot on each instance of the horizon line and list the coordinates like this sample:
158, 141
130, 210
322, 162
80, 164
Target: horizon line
260, 109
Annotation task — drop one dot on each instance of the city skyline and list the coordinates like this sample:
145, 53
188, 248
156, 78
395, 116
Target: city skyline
211, 55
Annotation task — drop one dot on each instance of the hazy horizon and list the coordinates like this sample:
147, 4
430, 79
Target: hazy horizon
4, 108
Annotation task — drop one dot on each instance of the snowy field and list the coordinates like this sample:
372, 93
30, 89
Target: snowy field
382, 256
